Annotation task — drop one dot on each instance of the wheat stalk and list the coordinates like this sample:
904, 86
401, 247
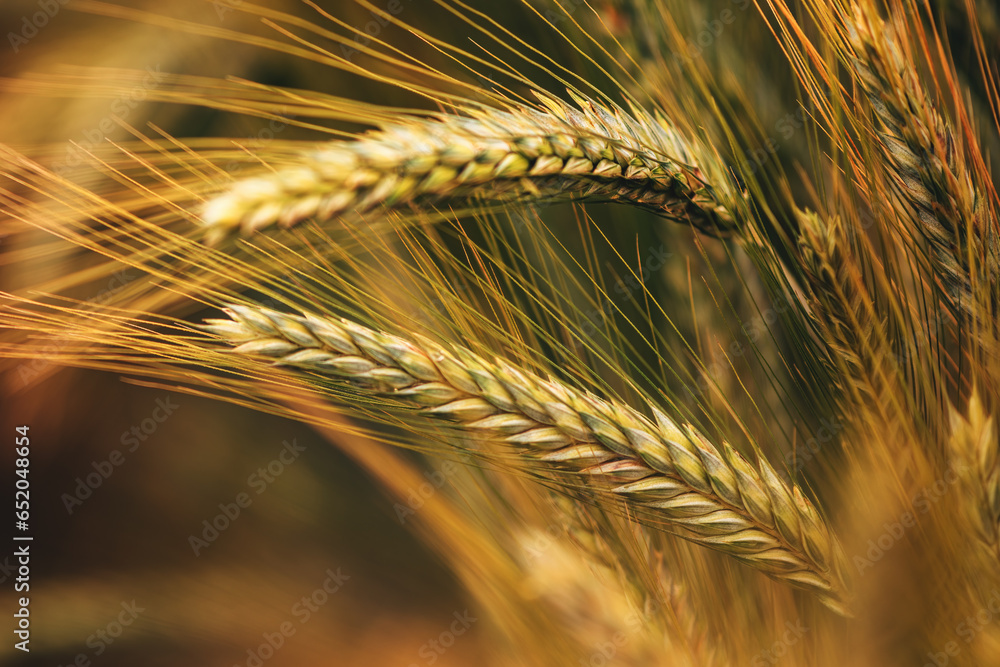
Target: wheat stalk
668, 473
925, 163
594, 152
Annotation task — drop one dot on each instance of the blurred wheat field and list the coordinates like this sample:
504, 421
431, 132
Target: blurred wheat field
607, 332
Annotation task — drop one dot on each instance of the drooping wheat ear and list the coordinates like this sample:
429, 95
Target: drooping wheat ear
596, 151
926, 165
975, 440
671, 475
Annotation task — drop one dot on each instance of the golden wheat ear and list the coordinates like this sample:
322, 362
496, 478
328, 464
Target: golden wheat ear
670, 475
593, 152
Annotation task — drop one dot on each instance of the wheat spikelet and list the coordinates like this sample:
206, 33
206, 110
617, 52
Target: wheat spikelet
670, 473
925, 162
595, 152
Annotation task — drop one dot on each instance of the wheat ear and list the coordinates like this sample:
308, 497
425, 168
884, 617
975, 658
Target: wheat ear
596, 152
975, 439
852, 327
926, 166
847, 317
862, 354
585, 593
599, 539
669, 474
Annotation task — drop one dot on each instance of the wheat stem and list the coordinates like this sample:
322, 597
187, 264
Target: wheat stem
594, 152
669, 474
